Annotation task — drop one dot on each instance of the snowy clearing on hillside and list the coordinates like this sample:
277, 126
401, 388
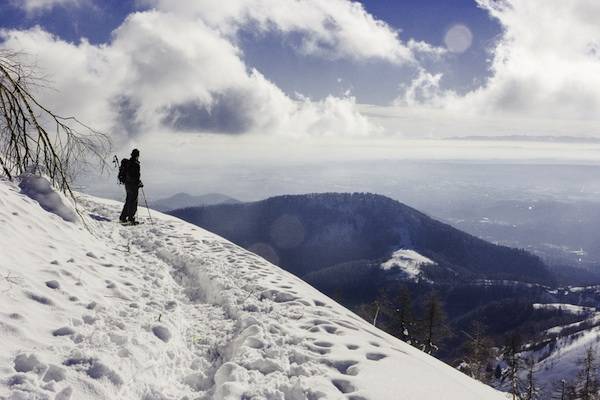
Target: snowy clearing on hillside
575, 326
169, 311
562, 359
569, 308
409, 262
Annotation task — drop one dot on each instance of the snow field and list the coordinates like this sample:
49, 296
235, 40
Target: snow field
409, 262
563, 359
170, 311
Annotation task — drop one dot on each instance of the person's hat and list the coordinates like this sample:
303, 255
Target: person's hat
135, 153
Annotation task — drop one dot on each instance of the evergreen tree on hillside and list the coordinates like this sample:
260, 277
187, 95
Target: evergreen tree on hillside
479, 350
563, 390
433, 325
400, 315
587, 383
532, 390
514, 366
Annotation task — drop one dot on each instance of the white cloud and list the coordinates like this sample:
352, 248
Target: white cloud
33, 6
178, 67
330, 29
163, 71
424, 89
83, 77
544, 65
545, 77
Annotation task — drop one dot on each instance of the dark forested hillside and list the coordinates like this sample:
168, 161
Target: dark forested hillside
309, 233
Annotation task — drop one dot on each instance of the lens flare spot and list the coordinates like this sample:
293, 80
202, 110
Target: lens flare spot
458, 39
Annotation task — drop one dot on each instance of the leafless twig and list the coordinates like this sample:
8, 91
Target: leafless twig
35, 139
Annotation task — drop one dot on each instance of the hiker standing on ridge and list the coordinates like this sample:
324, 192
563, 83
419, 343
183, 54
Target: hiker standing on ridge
129, 174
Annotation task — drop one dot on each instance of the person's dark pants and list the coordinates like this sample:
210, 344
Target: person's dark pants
131, 202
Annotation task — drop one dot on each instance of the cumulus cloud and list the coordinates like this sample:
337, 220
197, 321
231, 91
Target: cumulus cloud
331, 29
424, 89
545, 66
78, 73
545, 63
165, 71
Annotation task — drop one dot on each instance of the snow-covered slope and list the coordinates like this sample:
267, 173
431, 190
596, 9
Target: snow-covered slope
409, 262
562, 359
166, 310
561, 349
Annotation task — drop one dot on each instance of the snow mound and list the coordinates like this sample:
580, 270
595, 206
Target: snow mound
169, 311
408, 261
41, 190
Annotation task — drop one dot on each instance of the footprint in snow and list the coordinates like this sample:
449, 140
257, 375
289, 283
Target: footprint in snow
343, 385
64, 394
162, 332
63, 331
94, 369
54, 373
53, 284
375, 356
345, 367
39, 298
331, 329
28, 363
323, 344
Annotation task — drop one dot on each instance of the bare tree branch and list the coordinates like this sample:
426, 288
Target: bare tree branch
35, 139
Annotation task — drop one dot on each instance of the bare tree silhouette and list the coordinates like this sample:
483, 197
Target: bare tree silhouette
35, 139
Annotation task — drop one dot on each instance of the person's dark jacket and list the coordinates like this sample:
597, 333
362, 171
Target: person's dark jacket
133, 173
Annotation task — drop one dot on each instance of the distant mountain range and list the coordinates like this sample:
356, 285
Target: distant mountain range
332, 233
183, 200
530, 138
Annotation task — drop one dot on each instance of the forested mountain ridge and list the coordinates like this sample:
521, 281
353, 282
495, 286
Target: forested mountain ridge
308, 233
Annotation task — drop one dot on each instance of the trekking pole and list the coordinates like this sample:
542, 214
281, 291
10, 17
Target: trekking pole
145, 202
115, 162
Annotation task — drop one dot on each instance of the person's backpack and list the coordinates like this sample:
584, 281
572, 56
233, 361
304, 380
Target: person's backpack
123, 171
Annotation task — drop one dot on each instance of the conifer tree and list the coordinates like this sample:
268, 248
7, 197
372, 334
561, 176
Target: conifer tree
587, 383
563, 390
434, 328
532, 391
478, 352
514, 366
399, 312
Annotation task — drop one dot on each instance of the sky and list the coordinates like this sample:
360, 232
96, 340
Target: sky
284, 79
